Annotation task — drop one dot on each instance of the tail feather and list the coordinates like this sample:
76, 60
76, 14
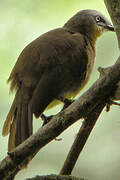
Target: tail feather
25, 127
24, 119
9, 118
24, 122
19, 120
30, 120
18, 125
11, 141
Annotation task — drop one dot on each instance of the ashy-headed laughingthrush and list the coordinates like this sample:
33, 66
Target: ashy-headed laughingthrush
55, 66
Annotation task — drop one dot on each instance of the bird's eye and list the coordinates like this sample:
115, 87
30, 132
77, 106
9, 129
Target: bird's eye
98, 18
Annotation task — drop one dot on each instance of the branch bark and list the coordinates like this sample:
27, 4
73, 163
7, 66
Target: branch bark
81, 139
113, 7
55, 177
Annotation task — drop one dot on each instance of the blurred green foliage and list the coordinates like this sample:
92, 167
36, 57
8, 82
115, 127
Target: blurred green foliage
20, 23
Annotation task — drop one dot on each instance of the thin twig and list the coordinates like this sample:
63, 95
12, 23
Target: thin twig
81, 139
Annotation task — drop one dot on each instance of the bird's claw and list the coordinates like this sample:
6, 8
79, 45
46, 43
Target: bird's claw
46, 119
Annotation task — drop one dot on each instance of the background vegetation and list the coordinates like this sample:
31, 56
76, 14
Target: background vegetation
20, 23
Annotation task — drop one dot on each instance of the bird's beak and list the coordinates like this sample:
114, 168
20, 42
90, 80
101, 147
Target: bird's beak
110, 27
107, 26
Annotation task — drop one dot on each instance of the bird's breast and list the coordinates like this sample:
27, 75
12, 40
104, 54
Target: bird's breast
84, 69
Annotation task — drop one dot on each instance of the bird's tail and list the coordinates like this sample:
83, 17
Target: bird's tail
18, 123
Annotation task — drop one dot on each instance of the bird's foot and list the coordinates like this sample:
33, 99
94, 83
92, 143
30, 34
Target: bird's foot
110, 103
66, 102
12, 155
46, 119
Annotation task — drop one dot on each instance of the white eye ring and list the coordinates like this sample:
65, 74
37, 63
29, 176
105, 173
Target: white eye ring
98, 18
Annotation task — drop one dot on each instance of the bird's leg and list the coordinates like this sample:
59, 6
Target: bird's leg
66, 101
46, 119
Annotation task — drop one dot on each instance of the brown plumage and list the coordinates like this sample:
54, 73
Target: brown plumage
58, 63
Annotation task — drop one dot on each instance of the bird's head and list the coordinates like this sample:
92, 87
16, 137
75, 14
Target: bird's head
90, 23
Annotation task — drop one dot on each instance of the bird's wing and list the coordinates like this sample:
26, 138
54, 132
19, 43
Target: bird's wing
48, 88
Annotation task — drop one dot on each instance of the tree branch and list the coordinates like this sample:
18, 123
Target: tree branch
81, 139
113, 7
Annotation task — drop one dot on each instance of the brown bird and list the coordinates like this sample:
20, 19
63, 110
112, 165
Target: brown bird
56, 65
